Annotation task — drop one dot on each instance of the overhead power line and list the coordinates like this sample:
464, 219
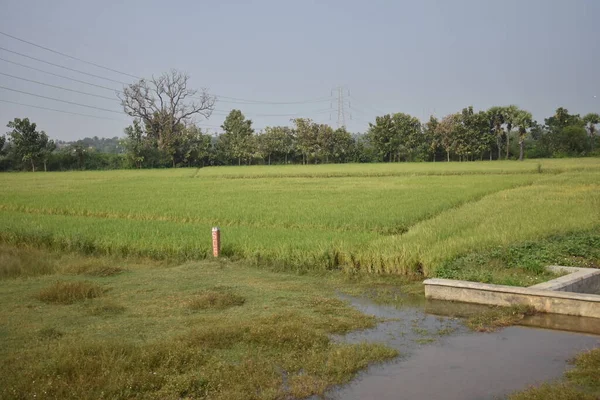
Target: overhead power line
225, 112
63, 67
234, 100
224, 99
227, 99
60, 100
69, 56
60, 76
60, 87
61, 111
245, 101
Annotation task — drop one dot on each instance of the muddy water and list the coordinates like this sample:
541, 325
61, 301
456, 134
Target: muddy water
442, 360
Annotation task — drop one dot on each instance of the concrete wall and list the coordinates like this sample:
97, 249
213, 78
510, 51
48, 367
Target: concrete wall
578, 280
558, 302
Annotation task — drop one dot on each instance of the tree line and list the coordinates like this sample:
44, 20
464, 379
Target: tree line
163, 134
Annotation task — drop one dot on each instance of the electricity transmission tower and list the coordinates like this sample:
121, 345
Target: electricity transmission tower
341, 106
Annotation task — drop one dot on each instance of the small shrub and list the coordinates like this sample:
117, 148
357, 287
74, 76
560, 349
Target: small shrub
216, 299
69, 292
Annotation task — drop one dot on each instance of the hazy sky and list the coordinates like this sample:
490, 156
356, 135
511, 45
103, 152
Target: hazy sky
418, 57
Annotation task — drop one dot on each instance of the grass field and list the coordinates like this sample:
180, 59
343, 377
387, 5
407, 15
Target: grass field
98, 327
108, 289
390, 218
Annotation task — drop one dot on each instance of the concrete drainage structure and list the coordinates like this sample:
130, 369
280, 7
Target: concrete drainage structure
577, 293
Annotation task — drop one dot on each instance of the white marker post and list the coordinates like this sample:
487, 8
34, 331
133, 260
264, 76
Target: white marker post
216, 241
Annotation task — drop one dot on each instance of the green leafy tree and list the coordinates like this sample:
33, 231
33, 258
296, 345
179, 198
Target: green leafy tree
472, 135
590, 120
383, 137
344, 145
307, 138
571, 140
135, 143
2, 142
396, 136
325, 142
47, 148
30, 145
238, 137
447, 131
198, 146
410, 136
276, 141
564, 133
432, 140
561, 119
79, 151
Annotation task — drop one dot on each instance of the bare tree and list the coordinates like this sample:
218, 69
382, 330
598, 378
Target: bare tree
165, 104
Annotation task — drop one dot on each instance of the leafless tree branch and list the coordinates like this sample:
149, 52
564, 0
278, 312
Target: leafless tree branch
165, 102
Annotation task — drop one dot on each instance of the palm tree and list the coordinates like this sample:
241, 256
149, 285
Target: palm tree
523, 121
591, 120
510, 115
496, 115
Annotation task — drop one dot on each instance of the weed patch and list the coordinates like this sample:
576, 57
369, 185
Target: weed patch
69, 292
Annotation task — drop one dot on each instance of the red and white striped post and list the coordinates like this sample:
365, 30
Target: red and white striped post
216, 241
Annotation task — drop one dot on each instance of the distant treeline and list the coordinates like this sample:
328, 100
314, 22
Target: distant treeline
497, 133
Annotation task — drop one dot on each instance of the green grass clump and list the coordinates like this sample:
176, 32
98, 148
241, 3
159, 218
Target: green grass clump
498, 317
69, 292
580, 383
216, 299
